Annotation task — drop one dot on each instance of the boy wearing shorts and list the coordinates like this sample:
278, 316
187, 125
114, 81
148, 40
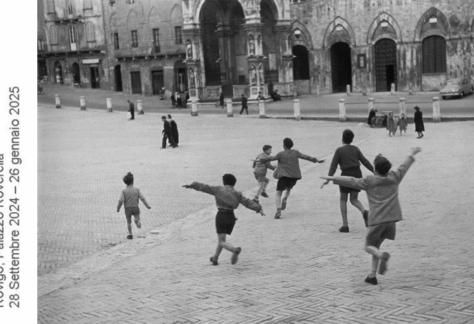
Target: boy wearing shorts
227, 199
260, 171
287, 172
349, 158
129, 198
385, 210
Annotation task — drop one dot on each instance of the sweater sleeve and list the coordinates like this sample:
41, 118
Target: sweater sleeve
270, 158
334, 163
403, 168
365, 162
203, 187
250, 204
351, 182
306, 157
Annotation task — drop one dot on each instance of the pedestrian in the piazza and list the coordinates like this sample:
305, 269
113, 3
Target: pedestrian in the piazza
245, 106
418, 119
287, 172
260, 171
129, 198
131, 109
174, 131
391, 124
384, 206
349, 157
173, 99
166, 133
403, 123
227, 199
371, 118
221, 99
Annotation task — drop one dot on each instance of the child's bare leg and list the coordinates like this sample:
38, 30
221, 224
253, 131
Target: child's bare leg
129, 227
278, 199
343, 207
375, 264
223, 244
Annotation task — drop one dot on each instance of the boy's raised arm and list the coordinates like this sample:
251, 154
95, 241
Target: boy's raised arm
309, 158
403, 168
251, 204
345, 181
142, 198
201, 187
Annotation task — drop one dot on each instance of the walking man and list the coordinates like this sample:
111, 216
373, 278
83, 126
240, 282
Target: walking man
174, 131
131, 109
244, 105
166, 133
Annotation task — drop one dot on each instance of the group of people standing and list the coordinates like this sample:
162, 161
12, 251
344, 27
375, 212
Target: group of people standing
401, 122
170, 132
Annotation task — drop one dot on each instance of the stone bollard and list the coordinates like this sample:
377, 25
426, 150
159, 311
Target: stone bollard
228, 104
403, 106
436, 110
109, 104
57, 101
348, 89
194, 107
342, 110
297, 109
140, 107
371, 103
82, 102
261, 109
392, 89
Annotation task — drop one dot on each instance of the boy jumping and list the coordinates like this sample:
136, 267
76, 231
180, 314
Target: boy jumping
227, 199
385, 211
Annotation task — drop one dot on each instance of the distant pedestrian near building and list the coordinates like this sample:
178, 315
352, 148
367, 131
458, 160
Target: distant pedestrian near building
418, 119
244, 105
131, 109
174, 131
403, 123
371, 118
166, 133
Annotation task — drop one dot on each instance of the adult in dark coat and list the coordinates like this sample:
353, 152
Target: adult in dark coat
418, 119
166, 133
174, 132
221, 99
244, 105
371, 117
131, 109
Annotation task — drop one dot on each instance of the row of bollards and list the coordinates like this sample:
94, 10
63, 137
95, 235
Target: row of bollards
108, 103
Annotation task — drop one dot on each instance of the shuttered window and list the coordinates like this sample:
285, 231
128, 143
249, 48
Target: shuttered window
434, 54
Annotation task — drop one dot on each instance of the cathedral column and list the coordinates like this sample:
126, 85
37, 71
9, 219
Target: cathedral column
194, 60
255, 59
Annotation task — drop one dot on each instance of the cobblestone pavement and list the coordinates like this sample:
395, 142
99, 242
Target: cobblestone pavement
310, 105
299, 269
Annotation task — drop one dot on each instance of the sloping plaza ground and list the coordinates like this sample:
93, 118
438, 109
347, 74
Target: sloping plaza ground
299, 269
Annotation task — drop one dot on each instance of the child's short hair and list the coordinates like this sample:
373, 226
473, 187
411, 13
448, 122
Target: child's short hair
169, 116
163, 117
266, 147
229, 179
382, 165
347, 136
287, 142
128, 179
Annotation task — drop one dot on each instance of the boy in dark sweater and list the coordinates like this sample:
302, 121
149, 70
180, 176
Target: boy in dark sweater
227, 199
349, 157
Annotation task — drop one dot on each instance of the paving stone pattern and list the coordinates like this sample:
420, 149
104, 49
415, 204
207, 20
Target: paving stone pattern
299, 269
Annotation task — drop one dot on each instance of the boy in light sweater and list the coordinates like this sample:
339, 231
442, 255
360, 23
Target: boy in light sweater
385, 210
260, 171
227, 199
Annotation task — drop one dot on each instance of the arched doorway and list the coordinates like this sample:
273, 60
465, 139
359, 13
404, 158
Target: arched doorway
341, 67
433, 53
385, 52
58, 73
300, 63
118, 78
76, 74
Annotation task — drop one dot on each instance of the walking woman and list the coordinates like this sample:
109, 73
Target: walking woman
418, 119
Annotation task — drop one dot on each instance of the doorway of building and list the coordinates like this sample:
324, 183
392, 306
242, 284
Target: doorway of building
341, 67
118, 78
58, 73
136, 82
157, 81
95, 78
76, 74
385, 51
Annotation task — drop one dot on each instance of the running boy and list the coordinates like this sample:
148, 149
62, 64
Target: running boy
385, 210
287, 172
227, 199
129, 198
349, 157
260, 171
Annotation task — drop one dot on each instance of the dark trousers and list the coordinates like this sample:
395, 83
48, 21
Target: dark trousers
167, 137
244, 108
132, 113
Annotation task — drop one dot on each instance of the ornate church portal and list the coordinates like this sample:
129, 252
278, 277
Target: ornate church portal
238, 47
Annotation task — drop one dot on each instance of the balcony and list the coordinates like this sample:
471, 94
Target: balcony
147, 52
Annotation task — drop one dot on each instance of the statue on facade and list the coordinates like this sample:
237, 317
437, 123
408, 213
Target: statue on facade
189, 50
253, 76
251, 45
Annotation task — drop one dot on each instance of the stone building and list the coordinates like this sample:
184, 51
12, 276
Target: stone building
370, 44
71, 42
145, 48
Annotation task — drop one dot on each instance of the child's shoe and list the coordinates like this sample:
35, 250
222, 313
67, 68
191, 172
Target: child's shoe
344, 229
235, 255
365, 215
264, 194
371, 280
278, 214
283, 203
383, 263
213, 261
129, 236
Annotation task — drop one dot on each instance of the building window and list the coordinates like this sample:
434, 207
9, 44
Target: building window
50, 7
53, 35
134, 38
87, 5
72, 34
130, 1
178, 35
156, 40
90, 32
70, 8
116, 41
434, 54
111, 2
